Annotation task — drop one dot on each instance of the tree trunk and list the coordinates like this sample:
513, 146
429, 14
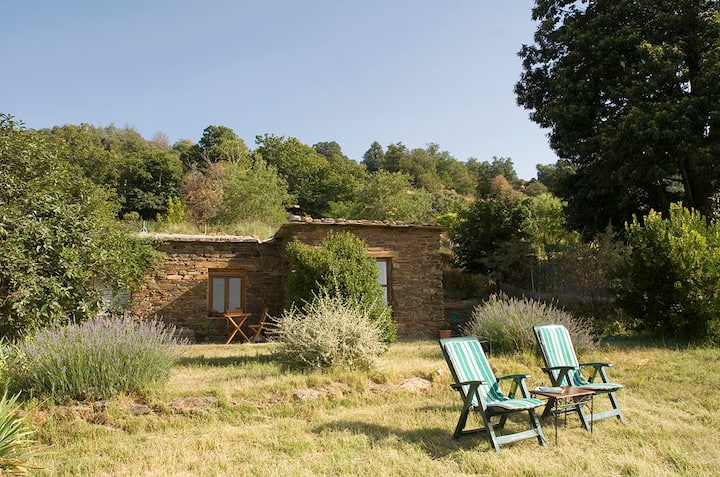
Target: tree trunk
698, 187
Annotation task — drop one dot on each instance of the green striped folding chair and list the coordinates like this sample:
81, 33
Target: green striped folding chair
480, 392
563, 369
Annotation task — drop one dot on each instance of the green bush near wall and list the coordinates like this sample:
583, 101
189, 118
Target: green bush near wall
339, 267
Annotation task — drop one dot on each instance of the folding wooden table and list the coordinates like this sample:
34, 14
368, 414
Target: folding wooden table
236, 320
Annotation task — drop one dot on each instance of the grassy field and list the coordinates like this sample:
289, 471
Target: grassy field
257, 419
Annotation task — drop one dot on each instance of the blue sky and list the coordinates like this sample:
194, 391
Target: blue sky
352, 71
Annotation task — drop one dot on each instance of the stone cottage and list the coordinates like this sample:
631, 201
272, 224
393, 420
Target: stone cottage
204, 275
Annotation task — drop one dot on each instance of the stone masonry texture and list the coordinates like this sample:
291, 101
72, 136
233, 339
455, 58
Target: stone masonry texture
177, 290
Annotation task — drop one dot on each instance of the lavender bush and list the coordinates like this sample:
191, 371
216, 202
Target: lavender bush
508, 324
97, 359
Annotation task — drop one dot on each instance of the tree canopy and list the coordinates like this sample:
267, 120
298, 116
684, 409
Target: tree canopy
300, 165
257, 193
57, 235
628, 90
143, 175
218, 143
218, 184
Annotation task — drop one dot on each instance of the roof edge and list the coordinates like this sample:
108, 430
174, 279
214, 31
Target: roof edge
214, 238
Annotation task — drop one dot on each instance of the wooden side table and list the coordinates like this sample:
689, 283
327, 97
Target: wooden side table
235, 321
564, 399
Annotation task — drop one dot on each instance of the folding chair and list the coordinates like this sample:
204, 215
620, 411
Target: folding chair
256, 328
480, 392
563, 369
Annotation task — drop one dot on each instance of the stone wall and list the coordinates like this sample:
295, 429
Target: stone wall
177, 291
416, 276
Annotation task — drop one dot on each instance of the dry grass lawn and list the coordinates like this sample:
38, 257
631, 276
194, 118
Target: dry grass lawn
256, 419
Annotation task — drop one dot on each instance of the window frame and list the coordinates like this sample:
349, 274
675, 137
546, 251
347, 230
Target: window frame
387, 288
226, 275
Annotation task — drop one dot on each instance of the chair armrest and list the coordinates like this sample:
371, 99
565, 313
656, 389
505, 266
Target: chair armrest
598, 369
471, 398
558, 368
518, 382
558, 374
515, 377
597, 364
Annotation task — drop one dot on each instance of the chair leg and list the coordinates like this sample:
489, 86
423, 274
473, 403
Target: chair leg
549, 407
491, 433
535, 423
615, 406
501, 423
496, 440
462, 422
583, 417
613, 412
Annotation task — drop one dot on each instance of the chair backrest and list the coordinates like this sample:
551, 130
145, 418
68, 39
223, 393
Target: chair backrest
557, 350
263, 316
467, 362
258, 327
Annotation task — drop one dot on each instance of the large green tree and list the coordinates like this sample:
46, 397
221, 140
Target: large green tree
149, 178
218, 143
255, 194
143, 174
88, 147
629, 92
57, 234
301, 166
340, 180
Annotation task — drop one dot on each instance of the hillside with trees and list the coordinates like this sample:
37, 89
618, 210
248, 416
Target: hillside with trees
219, 184
626, 89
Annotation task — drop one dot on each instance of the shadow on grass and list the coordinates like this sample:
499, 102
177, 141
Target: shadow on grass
646, 341
436, 442
225, 361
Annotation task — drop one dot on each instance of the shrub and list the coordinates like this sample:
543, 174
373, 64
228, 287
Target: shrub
341, 267
489, 237
329, 332
670, 279
57, 232
508, 324
587, 265
93, 360
15, 447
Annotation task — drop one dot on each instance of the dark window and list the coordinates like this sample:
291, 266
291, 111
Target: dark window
383, 265
226, 291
